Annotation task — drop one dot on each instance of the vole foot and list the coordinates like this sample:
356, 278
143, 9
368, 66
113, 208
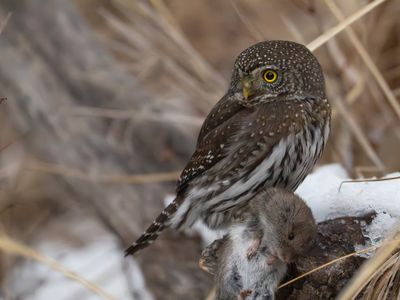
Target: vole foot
252, 250
272, 259
209, 256
244, 294
262, 296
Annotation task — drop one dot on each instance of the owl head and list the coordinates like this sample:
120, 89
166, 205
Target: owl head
274, 70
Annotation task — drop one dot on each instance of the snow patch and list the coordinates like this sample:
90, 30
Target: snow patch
320, 190
96, 258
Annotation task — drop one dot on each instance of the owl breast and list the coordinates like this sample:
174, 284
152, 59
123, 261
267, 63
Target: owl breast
301, 154
286, 167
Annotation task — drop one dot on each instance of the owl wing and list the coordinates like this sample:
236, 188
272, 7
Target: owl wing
242, 141
225, 108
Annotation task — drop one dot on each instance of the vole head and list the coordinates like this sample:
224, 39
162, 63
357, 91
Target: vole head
287, 222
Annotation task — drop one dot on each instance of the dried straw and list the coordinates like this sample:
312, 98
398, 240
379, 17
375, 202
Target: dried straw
3, 23
370, 269
11, 246
326, 36
366, 58
56, 169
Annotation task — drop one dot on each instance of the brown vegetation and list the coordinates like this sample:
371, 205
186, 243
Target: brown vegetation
105, 98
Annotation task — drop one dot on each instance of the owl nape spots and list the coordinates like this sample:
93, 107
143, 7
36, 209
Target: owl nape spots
268, 130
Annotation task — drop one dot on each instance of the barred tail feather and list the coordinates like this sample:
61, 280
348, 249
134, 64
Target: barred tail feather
158, 225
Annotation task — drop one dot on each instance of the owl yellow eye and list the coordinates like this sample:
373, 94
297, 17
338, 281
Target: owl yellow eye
270, 76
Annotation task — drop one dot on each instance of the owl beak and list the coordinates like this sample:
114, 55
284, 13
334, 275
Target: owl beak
247, 87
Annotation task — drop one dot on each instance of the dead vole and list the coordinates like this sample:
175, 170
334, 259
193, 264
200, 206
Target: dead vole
275, 228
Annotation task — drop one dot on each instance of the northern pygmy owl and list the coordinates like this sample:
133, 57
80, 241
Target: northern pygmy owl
268, 130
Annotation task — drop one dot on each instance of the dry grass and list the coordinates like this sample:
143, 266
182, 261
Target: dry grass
378, 278
367, 59
54, 169
331, 33
124, 114
161, 45
368, 180
13, 247
4, 22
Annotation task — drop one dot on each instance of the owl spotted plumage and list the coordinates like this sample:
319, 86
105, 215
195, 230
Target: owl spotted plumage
268, 130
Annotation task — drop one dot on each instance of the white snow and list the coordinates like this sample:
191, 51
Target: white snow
96, 258
321, 192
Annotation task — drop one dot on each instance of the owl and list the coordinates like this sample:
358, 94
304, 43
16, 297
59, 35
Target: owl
268, 130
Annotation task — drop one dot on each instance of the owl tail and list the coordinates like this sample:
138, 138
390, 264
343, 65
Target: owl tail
158, 225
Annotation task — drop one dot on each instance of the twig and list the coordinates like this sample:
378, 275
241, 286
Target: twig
367, 180
14, 247
113, 178
366, 58
142, 41
211, 295
322, 39
375, 279
359, 135
294, 29
3, 23
360, 171
171, 28
256, 35
352, 95
340, 58
86, 111
13, 141
396, 266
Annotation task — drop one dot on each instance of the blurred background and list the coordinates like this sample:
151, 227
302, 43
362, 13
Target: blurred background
104, 102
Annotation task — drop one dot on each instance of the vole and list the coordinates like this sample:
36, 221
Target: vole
251, 260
